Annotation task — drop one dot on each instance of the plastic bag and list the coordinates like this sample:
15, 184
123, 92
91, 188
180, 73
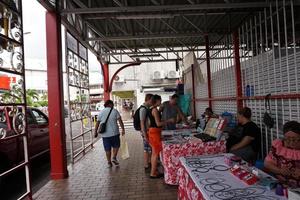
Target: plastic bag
124, 148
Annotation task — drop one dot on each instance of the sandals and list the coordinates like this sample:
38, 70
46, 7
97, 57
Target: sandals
157, 176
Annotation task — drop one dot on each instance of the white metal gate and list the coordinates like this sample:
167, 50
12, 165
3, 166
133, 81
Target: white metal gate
79, 116
14, 154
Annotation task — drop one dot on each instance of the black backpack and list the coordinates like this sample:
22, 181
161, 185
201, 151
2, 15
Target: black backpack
136, 118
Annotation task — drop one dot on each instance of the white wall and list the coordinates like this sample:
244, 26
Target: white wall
138, 76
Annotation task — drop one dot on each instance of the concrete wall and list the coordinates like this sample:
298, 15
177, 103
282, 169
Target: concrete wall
138, 76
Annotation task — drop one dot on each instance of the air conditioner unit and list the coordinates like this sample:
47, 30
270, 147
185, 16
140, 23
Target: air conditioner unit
157, 75
119, 79
172, 74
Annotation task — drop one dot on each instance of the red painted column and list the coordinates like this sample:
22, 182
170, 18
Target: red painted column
194, 92
56, 97
105, 72
208, 70
236, 49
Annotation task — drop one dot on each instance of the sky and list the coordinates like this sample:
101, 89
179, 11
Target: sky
35, 41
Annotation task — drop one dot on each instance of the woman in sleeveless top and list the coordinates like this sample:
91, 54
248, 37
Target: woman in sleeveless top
154, 133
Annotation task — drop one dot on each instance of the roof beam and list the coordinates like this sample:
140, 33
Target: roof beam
124, 32
191, 2
166, 8
170, 60
80, 4
156, 15
149, 31
145, 37
121, 5
174, 30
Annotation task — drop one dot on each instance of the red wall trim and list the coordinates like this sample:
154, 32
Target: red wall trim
105, 73
194, 92
237, 66
277, 96
217, 99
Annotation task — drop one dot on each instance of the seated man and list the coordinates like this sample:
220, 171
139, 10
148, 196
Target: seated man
284, 158
248, 146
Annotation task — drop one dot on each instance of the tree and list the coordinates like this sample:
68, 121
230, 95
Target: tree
44, 100
31, 97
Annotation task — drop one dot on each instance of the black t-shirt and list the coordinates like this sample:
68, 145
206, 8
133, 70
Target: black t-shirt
152, 120
252, 130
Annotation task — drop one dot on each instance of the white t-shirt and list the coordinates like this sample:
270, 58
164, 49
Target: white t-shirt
112, 127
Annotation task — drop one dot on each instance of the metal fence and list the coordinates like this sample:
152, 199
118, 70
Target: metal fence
269, 54
78, 97
13, 120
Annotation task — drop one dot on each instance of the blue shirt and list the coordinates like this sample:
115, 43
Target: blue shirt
112, 128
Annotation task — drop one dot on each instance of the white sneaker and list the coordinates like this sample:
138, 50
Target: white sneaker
109, 165
115, 161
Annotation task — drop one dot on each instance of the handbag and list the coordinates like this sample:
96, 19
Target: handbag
268, 120
124, 148
102, 127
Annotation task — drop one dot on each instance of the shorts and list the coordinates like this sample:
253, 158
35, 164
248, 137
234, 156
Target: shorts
111, 142
155, 140
147, 147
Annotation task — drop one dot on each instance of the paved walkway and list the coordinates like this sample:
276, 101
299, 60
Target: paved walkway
91, 179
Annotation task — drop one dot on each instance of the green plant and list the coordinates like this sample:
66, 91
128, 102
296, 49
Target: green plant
32, 97
15, 95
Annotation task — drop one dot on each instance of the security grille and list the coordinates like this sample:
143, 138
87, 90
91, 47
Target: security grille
79, 118
13, 122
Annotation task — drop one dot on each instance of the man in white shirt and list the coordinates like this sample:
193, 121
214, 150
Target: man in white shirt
111, 136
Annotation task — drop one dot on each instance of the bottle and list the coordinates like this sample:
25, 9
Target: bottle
247, 90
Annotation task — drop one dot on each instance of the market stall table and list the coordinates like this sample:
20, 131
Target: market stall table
180, 143
209, 178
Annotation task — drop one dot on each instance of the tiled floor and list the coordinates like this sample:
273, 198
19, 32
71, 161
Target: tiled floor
91, 179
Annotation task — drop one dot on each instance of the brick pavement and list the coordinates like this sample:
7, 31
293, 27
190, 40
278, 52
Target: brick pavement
91, 179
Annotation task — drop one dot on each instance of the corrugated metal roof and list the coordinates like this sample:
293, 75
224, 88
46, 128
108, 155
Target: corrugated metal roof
184, 25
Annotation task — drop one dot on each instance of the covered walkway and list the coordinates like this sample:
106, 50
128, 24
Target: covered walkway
91, 179
229, 54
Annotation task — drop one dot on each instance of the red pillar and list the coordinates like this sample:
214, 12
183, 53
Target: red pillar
194, 92
55, 98
105, 72
236, 49
208, 70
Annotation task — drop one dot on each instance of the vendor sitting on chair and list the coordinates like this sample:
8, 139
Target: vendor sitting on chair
284, 157
248, 146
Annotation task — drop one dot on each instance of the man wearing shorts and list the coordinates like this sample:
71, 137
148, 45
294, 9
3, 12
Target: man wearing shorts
111, 136
144, 129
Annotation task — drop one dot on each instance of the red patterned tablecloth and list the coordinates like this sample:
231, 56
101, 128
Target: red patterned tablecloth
187, 189
172, 152
209, 177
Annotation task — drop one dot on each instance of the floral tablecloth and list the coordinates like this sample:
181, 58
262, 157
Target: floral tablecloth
185, 146
208, 177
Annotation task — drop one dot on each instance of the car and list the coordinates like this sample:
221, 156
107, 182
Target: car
11, 151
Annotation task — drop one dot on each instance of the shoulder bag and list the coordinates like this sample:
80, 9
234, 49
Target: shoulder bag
102, 127
268, 120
